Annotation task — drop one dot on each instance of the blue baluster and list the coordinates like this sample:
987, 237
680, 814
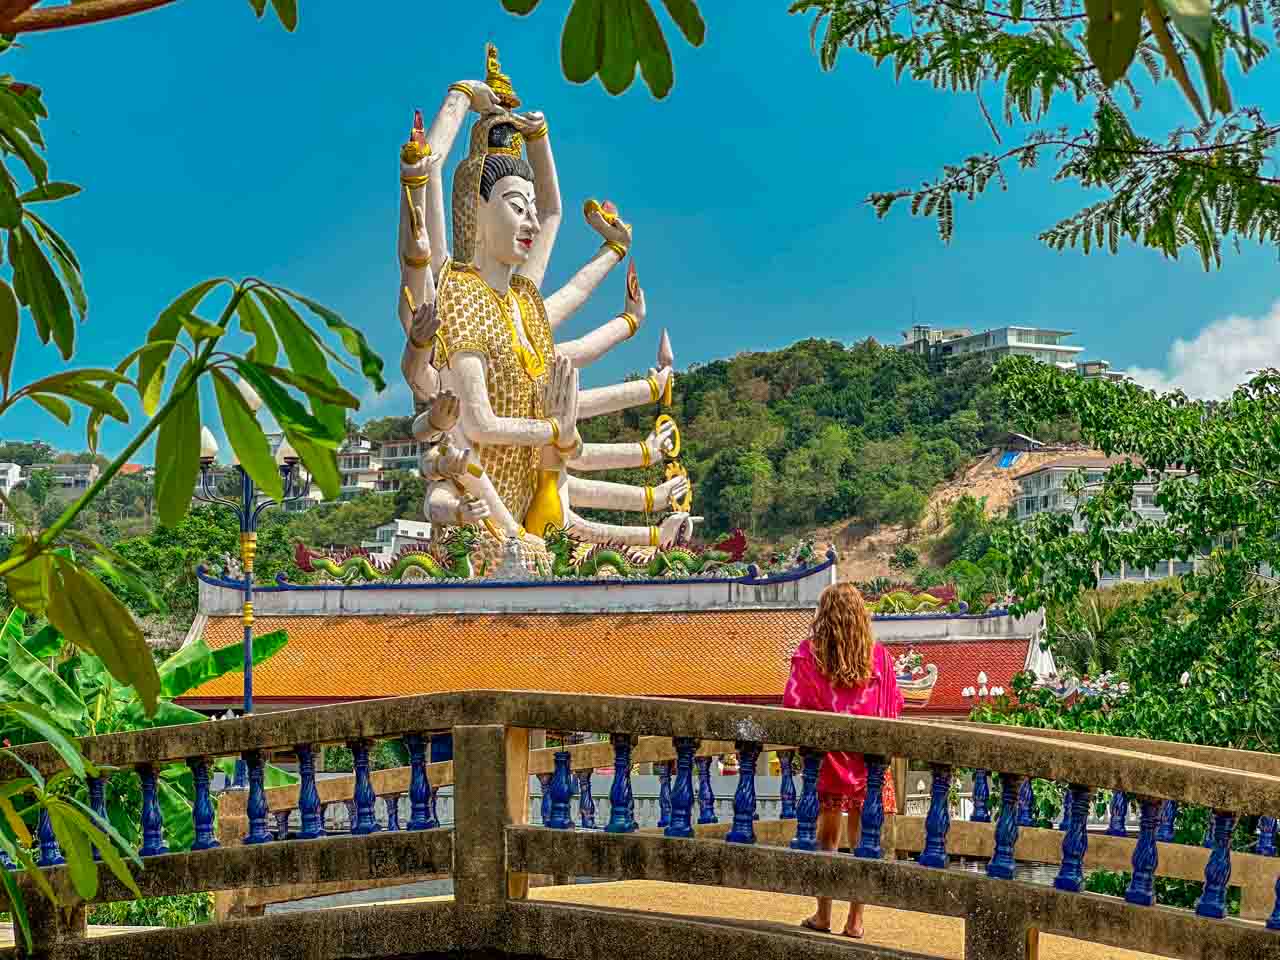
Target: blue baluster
981, 798
787, 789
1146, 856
1119, 814
1217, 872
421, 816
621, 802
586, 802
664, 794
544, 779
1165, 832
202, 808
392, 802
50, 855
706, 795
1026, 803
152, 820
807, 810
938, 822
1273, 922
1002, 863
872, 809
257, 807
1266, 846
308, 795
6, 861
364, 797
1076, 842
1065, 823
282, 824
1207, 840
744, 798
561, 794
682, 789
98, 803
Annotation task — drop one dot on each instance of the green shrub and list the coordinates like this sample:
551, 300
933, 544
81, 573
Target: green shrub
180, 911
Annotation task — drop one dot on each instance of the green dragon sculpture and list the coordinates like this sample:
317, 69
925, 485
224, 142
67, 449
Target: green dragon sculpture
674, 562
456, 565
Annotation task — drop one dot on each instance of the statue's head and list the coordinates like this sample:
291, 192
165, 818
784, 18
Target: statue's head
506, 215
493, 200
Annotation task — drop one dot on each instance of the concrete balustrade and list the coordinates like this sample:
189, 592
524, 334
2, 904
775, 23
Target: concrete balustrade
491, 851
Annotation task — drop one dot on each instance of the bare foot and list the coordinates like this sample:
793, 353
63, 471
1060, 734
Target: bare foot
812, 923
854, 933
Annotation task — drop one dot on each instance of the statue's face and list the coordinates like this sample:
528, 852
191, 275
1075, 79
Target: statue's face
509, 221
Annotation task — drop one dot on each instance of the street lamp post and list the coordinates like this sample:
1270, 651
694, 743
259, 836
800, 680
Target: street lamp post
248, 508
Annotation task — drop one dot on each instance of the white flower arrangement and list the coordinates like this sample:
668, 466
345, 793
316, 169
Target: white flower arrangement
910, 663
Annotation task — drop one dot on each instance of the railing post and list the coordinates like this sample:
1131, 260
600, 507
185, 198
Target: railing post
1273, 923
1065, 823
52, 928
257, 809
664, 793
1026, 801
544, 811
364, 796
872, 809
49, 854
561, 793
1266, 846
682, 789
586, 802
787, 788
938, 822
744, 798
981, 797
999, 931
98, 803
706, 794
308, 795
807, 810
1168, 821
1002, 864
202, 808
1217, 872
421, 812
392, 803
1119, 814
621, 819
152, 820
1146, 856
1076, 842
491, 791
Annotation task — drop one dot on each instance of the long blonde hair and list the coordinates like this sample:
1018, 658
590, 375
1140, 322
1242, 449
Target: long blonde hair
841, 636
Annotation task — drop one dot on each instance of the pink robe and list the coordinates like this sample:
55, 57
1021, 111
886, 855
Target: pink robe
843, 774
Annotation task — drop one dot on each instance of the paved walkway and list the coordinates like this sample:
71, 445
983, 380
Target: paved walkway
918, 932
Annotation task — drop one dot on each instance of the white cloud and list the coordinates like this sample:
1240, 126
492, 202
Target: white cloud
1222, 355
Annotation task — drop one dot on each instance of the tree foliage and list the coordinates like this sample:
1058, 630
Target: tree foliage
1195, 188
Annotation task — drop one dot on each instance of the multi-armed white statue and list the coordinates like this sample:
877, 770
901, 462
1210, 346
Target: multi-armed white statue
499, 397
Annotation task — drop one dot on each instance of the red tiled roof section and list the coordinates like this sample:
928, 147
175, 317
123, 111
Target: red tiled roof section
723, 655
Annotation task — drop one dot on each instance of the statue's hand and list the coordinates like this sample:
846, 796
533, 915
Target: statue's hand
661, 441
673, 489
426, 322
604, 220
483, 99
472, 510
440, 416
676, 530
528, 123
561, 401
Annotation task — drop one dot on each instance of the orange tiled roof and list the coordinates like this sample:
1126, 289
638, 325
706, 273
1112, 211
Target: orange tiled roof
723, 655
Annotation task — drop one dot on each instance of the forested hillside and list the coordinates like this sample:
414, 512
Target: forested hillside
784, 441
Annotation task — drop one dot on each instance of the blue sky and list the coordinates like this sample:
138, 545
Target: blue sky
209, 143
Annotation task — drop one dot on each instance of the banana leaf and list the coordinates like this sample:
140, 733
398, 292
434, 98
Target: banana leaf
196, 664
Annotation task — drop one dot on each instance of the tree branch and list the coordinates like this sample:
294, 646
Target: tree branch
69, 15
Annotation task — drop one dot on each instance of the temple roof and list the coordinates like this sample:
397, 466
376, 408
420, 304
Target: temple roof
740, 655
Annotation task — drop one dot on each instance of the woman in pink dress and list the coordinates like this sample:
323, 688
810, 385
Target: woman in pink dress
839, 668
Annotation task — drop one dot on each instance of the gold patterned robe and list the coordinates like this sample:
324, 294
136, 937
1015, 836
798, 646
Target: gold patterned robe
475, 318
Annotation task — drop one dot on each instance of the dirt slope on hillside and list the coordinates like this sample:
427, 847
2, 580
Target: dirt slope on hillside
864, 553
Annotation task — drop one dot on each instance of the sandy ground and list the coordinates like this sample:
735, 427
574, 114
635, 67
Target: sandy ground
918, 932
